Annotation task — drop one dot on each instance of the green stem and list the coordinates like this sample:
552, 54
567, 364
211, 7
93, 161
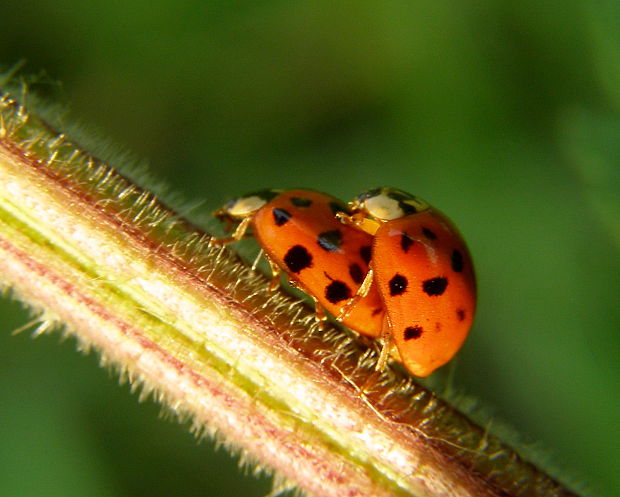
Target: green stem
104, 258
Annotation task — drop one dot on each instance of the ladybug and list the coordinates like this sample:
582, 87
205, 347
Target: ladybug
300, 235
424, 274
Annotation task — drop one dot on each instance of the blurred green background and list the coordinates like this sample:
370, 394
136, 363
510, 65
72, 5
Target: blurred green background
506, 115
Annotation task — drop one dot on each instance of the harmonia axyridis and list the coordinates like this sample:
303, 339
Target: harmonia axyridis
301, 236
424, 274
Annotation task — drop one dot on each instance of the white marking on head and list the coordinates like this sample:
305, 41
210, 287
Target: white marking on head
246, 206
383, 207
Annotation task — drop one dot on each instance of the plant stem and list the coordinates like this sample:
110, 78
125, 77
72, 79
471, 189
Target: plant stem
95, 253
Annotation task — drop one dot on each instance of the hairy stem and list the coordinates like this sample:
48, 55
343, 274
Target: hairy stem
104, 258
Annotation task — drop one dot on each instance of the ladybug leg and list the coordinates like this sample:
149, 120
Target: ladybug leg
237, 235
386, 346
362, 292
387, 339
275, 275
368, 385
319, 314
354, 219
275, 271
359, 221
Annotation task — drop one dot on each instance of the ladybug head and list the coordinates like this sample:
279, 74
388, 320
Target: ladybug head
387, 203
245, 206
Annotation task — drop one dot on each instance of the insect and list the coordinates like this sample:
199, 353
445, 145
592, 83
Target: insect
424, 274
300, 235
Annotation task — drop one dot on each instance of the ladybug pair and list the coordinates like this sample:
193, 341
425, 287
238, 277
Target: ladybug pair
387, 265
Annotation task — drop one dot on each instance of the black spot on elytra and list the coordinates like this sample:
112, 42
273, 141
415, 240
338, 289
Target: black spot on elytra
405, 242
330, 240
435, 286
460, 314
429, 234
356, 273
398, 285
413, 332
338, 207
366, 253
376, 311
301, 201
281, 216
298, 258
337, 291
457, 261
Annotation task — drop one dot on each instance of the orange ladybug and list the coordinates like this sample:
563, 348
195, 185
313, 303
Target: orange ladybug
300, 235
424, 274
